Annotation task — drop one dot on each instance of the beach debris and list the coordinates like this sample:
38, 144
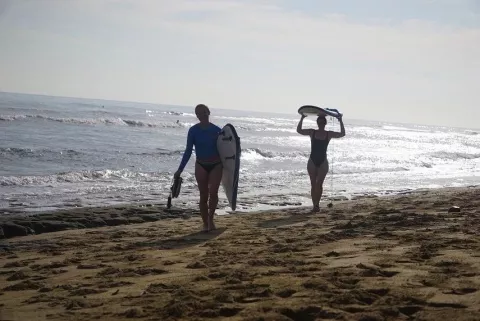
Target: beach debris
454, 209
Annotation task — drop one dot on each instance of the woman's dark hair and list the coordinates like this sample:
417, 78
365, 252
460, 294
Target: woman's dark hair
202, 106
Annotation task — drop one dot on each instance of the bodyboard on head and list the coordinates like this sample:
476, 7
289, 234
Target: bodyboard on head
310, 110
228, 144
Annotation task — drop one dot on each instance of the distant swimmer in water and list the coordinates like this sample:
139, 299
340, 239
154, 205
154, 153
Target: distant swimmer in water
318, 163
208, 167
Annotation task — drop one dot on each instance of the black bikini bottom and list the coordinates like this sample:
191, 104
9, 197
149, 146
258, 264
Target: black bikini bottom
208, 167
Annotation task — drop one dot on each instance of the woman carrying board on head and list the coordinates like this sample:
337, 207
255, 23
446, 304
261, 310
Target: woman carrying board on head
318, 163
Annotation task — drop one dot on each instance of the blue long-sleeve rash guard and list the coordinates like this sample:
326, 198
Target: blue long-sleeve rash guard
205, 142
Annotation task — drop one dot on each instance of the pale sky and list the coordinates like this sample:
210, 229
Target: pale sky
395, 60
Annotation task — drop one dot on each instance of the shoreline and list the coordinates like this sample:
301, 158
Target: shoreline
403, 257
31, 223
249, 201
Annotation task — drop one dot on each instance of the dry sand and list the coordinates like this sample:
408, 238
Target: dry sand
394, 258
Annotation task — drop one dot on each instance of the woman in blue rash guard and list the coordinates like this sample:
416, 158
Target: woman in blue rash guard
208, 167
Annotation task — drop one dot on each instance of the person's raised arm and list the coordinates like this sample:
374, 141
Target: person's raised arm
342, 129
187, 153
302, 131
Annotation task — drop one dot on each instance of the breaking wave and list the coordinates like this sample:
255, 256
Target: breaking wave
28, 152
454, 155
79, 176
97, 121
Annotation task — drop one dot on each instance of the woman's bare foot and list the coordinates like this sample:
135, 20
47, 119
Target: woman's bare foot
211, 225
316, 209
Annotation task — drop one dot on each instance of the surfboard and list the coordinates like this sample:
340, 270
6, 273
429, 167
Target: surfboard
228, 144
310, 110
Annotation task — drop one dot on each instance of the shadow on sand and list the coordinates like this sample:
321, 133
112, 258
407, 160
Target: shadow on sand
182, 241
284, 221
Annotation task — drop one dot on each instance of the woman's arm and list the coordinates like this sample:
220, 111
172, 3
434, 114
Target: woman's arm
187, 153
303, 131
342, 129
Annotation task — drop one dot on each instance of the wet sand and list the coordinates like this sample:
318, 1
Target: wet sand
402, 257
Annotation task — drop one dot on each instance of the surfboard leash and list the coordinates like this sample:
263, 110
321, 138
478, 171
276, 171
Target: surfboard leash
333, 161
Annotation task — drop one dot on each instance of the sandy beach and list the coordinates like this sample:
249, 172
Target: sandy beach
404, 257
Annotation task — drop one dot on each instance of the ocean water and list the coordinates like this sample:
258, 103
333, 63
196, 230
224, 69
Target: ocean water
60, 152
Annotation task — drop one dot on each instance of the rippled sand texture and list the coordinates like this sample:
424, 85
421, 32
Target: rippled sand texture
397, 258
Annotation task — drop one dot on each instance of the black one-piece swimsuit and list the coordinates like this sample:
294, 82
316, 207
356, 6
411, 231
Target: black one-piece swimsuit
319, 150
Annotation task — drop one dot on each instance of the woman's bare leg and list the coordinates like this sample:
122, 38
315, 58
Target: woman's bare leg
214, 180
322, 171
202, 181
312, 172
